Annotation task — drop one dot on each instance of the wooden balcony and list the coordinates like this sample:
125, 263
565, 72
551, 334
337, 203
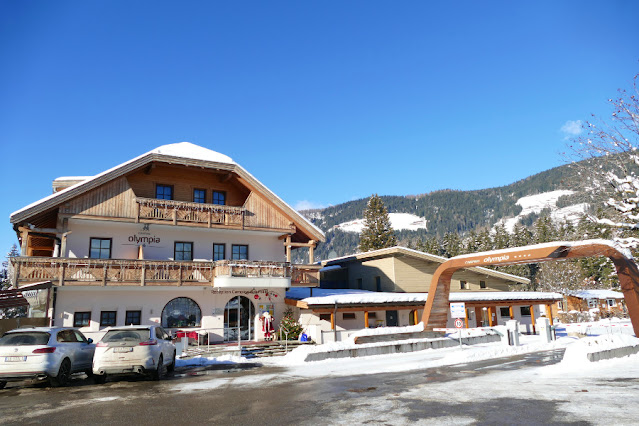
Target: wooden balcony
123, 272
150, 210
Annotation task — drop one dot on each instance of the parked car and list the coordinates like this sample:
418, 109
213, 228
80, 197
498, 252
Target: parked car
44, 353
134, 349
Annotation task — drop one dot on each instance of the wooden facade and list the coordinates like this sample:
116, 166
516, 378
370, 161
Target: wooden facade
398, 269
127, 194
574, 303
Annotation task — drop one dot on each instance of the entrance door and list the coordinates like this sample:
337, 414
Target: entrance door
391, 319
238, 319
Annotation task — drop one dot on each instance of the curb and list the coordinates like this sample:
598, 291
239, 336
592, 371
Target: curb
613, 353
400, 347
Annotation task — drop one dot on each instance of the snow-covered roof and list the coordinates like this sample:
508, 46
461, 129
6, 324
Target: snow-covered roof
597, 294
421, 255
323, 296
188, 152
72, 178
192, 151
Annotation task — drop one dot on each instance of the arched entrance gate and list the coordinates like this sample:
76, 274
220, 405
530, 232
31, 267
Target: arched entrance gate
436, 308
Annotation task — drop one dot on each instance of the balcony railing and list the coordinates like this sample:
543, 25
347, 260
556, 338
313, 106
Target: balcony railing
183, 211
122, 272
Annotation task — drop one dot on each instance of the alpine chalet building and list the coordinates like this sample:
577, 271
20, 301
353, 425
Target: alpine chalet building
180, 236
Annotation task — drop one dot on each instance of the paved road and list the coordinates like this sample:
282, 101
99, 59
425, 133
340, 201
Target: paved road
268, 395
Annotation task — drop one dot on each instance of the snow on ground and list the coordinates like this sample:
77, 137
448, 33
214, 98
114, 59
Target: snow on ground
546, 200
430, 358
399, 222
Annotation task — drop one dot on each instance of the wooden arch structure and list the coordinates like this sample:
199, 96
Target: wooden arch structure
437, 305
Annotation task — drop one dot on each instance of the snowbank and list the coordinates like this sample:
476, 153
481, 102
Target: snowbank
577, 353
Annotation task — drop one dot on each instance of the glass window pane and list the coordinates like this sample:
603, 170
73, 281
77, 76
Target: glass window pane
219, 197
199, 196
219, 251
181, 312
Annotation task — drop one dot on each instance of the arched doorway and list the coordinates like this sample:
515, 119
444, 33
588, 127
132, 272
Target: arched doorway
238, 319
437, 305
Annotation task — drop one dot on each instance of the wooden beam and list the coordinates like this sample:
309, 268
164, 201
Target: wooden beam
532, 318
510, 311
332, 320
549, 309
40, 230
225, 177
365, 319
288, 248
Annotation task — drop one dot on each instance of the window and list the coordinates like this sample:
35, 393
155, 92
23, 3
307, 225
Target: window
378, 283
325, 317
164, 192
81, 319
372, 315
240, 252
482, 284
359, 283
199, 196
592, 303
560, 305
219, 197
183, 251
611, 302
161, 334
69, 336
524, 311
107, 318
133, 318
181, 312
462, 285
504, 312
348, 315
100, 248
219, 251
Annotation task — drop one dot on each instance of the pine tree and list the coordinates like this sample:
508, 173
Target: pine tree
4, 270
377, 232
291, 328
451, 244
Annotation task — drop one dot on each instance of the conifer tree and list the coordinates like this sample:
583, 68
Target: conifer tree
378, 232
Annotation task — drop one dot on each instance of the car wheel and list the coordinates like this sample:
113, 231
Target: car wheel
171, 366
100, 379
3, 384
64, 373
159, 372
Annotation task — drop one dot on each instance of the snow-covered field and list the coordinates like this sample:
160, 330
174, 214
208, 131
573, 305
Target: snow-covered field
399, 221
547, 200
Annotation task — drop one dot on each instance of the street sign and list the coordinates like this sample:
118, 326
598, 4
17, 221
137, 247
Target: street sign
459, 323
458, 310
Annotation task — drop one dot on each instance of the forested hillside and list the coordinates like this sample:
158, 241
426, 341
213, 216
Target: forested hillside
446, 210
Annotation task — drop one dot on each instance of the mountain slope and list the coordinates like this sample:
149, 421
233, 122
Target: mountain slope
451, 210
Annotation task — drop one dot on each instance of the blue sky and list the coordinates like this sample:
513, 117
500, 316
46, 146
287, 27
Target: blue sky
324, 102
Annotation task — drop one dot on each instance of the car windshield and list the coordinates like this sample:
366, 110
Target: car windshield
25, 338
135, 335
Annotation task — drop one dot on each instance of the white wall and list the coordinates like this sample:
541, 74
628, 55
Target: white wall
262, 245
151, 301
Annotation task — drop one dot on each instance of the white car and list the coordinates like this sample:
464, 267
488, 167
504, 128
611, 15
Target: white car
42, 353
137, 349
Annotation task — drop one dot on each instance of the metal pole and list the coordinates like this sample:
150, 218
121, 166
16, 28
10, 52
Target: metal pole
460, 342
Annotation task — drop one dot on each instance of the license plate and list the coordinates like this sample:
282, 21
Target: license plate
15, 358
121, 350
